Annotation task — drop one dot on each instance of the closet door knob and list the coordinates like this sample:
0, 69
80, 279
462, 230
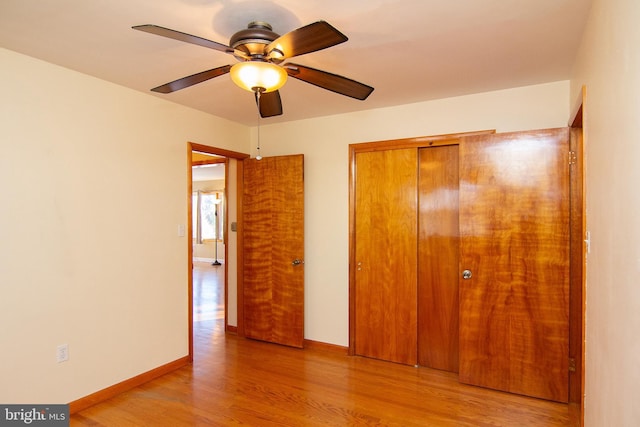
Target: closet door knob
466, 275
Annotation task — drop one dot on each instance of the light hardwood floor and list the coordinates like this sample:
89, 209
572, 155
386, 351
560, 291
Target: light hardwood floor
235, 381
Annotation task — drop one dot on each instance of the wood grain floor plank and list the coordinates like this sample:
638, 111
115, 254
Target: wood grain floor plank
236, 381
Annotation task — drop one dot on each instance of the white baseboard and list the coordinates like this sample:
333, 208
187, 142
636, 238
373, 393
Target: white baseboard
200, 259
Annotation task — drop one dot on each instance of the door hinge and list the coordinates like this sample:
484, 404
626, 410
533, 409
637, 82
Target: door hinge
573, 157
572, 364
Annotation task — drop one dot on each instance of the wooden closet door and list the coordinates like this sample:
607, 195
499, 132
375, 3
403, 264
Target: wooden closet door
514, 231
386, 255
438, 258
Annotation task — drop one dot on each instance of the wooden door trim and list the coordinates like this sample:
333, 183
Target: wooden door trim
415, 142
192, 146
392, 144
578, 261
217, 151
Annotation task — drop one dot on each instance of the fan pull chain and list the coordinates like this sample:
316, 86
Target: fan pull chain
258, 93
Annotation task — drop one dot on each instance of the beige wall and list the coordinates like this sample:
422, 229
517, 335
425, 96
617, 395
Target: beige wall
324, 143
609, 66
110, 275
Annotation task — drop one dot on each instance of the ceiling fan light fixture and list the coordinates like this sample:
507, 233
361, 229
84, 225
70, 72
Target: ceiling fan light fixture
258, 76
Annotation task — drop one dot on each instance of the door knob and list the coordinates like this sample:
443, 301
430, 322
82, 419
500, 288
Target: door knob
466, 275
297, 262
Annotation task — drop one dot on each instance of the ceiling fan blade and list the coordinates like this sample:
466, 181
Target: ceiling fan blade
192, 80
269, 104
310, 38
329, 81
188, 38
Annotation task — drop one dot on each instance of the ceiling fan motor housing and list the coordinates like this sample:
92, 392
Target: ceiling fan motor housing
254, 39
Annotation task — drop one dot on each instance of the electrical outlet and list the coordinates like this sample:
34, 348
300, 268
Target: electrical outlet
62, 353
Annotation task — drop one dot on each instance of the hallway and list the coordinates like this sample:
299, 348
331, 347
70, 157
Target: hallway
208, 309
208, 291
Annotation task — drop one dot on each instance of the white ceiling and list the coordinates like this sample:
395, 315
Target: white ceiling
213, 172
408, 50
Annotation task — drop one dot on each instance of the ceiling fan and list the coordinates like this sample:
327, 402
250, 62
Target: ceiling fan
261, 69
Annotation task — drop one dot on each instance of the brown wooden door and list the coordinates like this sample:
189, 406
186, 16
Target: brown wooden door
438, 258
386, 255
514, 231
273, 268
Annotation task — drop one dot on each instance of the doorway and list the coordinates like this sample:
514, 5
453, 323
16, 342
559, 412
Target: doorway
208, 206
226, 243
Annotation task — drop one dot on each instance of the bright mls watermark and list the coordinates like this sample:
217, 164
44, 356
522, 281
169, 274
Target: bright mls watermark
34, 415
